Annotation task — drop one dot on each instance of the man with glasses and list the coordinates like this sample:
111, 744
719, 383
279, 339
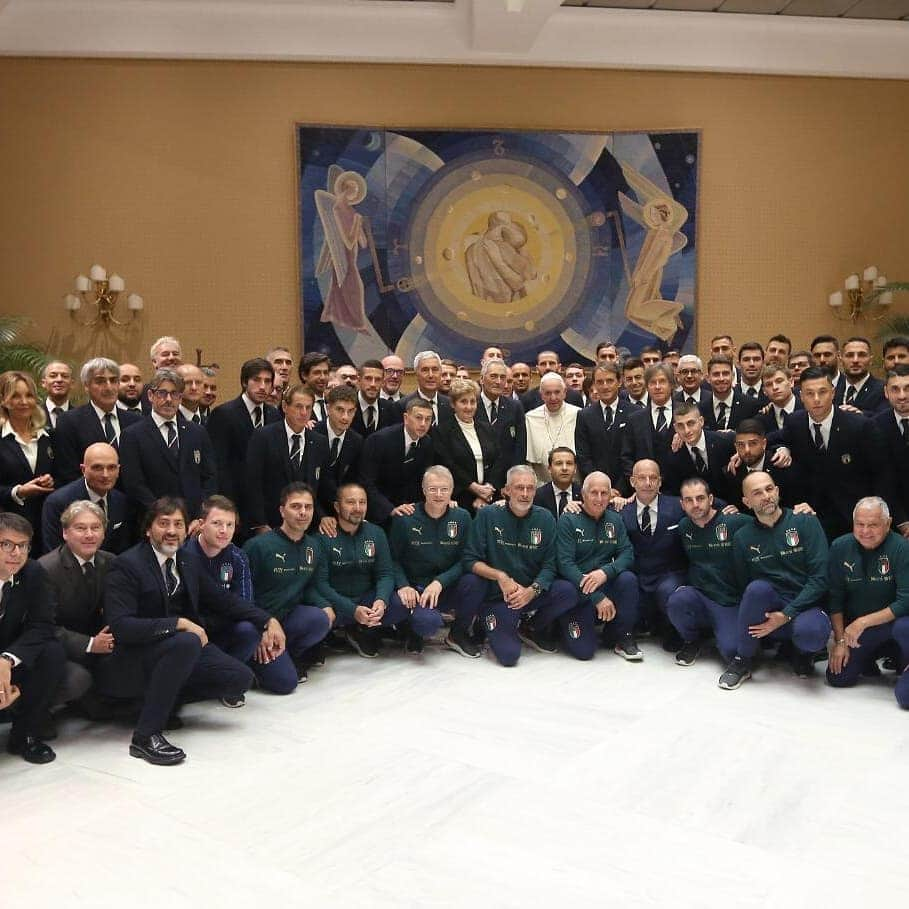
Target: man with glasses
31, 658
393, 377
163, 454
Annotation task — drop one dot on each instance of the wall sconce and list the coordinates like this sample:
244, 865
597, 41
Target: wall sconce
864, 297
103, 292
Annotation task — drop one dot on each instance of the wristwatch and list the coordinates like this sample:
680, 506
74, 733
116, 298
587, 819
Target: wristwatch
537, 590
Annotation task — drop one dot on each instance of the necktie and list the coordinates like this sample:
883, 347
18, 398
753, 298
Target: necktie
780, 414
752, 392
88, 572
5, 588
333, 454
109, 433
690, 400
661, 419
905, 425
197, 418
321, 406
102, 504
411, 452
721, 416
494, 413
850, 394
607, 416
52, 413
645, 521
371, 418
170, 579
435, 412
563, 501
699, 462
295, 448
640, 404
818, 437
173, 443
257, 416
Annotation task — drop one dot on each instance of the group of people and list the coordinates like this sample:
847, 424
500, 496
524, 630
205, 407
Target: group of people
182, 551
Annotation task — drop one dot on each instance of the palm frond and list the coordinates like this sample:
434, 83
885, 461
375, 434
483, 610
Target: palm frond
11, 327
23, 358
895, 325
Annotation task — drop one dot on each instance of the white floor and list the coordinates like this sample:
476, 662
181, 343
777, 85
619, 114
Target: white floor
442, 781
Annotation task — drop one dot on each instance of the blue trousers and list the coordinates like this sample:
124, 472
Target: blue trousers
691, 612
625, 593
808, 631
456, 599
558, 604
396, 612
303, 627
902, 689
871, 641
655, 593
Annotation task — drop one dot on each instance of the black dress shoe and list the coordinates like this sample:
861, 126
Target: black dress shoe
31, 749
156, 749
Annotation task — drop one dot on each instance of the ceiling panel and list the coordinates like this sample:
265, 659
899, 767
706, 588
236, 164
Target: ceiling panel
879, 9
817, 7
759, 7
700, 6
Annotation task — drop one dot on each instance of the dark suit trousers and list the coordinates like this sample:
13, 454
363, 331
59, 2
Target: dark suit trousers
179, 669
38, 684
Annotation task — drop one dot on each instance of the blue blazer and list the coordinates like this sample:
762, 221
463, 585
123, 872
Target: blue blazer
510, 429
386, 415
76, 430
347, 468
897, 453
388, 478
545, 497
680, 465
15, 470
27, 625
870, 398
742, 407
151, 470
661, 552
120, 517
599, 448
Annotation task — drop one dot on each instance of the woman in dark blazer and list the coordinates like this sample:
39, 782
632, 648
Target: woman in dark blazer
469, 450
26, 454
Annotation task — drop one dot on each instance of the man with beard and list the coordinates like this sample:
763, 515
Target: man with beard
373, 411
129, 395
862, 390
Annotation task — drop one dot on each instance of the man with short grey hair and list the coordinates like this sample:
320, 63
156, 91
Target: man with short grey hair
502, 412
427, 365
100, 420
166, 352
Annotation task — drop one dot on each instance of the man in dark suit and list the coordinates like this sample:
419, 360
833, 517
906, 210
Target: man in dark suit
861, 389
163, 454
394, 461
31, 657
77, 570
825, 351
893, 426
751, 365
98, 421
754, 456
344, 445
373, 411
284, 453
427, 365
652, 522
557, 495
548, 361
702, 453
693, 387
315, 370
155, 600
100, 471
600, 426
726, 404
841, 455
780, 391
231, 426
503, 413
648, 433
129, 397
57, 382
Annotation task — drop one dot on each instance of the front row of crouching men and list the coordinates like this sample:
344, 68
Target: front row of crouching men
187, 615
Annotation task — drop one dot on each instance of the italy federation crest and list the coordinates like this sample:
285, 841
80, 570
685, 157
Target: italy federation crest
197, 456
369, 547
226, 574
536, 536
491, 622
722, 532
792, 537
574, 630
884, 563
309, 555
452, 527
610, 532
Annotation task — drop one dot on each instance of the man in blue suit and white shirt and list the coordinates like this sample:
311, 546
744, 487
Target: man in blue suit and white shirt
163, 454
100, 471
600, 426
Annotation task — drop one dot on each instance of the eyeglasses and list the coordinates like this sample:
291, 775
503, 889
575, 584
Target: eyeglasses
12, 546
394, 372
439, 490
162, 394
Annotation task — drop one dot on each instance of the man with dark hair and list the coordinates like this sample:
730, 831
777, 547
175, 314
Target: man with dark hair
164, 454
562, 489
751, 364
780, 565
373, 411
599, 427
156, 601
286, 452
726, 404
129, 396
893, 425
394, 461
283, 563
282, 362
710, 599
896, 350
314, 371
825, 351
861, 389
753, 455
702, 454
448, 373
231, 426
100, 470
520, 379
606, 351
779, 391
344, 444
634, 388
798, 363
31, 658
648, 434
779, 347
548, 362
840, 455
354, 573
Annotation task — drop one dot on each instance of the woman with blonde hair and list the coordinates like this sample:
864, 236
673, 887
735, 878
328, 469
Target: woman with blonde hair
26, 455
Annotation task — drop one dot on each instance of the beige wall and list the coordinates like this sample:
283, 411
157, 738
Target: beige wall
180, 176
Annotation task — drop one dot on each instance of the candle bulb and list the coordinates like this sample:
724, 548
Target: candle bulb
870, 273
836, 299
72, 302
852, 282
116, 283
83, 284
881, 281
885, 299
135, 302
97, 273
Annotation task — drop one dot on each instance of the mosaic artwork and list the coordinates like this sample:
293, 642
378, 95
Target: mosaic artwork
453, 240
